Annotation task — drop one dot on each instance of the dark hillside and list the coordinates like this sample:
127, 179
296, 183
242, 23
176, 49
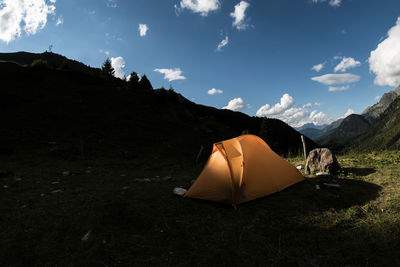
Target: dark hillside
384, 132
351, 126
83, 115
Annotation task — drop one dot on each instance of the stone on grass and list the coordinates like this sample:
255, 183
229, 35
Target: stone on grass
321, 160
179, 191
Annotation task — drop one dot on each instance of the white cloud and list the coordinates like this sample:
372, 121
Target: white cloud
347, 63
223, 43
295, 116
384, 61
341, 88
17, 16
172, 74
214, 91
118, 63
348, 112
330, 79
335, 2
286, 102
236, 104
198, 6
317, 104
318, 67
112, 3
143, 28
239, 15
59, 21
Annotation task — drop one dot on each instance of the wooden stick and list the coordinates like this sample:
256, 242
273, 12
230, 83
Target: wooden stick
304, 149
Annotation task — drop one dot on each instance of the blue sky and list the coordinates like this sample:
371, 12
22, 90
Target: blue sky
267, 48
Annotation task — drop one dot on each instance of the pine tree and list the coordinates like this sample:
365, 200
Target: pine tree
107, 68
133, 81
145, 84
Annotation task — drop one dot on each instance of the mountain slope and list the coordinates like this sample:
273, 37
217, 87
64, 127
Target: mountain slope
88, 115
384, 132
350, 127
373, 112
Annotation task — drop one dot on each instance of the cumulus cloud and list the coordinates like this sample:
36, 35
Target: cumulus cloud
384, 61
17, 16
348, 112
198, 6
171, 74
341, 88
236, 104
118, 63
330, 79
286, 102
143, 28
347, 63
214, 91
223, 43
296, 116
318, 67
239, 15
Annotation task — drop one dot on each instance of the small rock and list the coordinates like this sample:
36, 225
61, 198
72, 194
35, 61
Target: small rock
66, 173
55, 182
321, 159
42, 195
147, 180
86, 236
18, 179
179, 191
125, 187
317, 187
300, 167
123, 175
56, 191
322, 174
5, 186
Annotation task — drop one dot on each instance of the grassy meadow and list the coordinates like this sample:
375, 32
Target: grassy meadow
95, 212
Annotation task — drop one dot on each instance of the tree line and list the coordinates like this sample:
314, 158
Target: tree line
134, 81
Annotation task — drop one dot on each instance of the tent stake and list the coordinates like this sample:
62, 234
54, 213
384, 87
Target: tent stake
199, 154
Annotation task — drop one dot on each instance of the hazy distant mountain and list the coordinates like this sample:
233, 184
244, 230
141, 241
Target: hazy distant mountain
317, 133
373, 112
341, 131
311, 126
85, 114
351, 126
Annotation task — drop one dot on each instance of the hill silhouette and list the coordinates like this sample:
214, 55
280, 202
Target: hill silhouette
80, 113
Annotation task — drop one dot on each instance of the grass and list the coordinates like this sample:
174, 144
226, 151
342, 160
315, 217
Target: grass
144, 224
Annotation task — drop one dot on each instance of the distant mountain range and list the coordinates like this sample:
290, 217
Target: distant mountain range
343, 131
81, 112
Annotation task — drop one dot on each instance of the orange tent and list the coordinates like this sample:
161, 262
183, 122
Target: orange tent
242, 169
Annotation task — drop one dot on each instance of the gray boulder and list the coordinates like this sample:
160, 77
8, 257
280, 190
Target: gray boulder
322, 160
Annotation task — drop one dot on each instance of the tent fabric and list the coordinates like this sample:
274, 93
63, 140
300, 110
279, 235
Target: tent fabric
242, 169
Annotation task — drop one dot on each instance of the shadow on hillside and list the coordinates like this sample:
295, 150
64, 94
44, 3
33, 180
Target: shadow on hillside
359, 171
305, 198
